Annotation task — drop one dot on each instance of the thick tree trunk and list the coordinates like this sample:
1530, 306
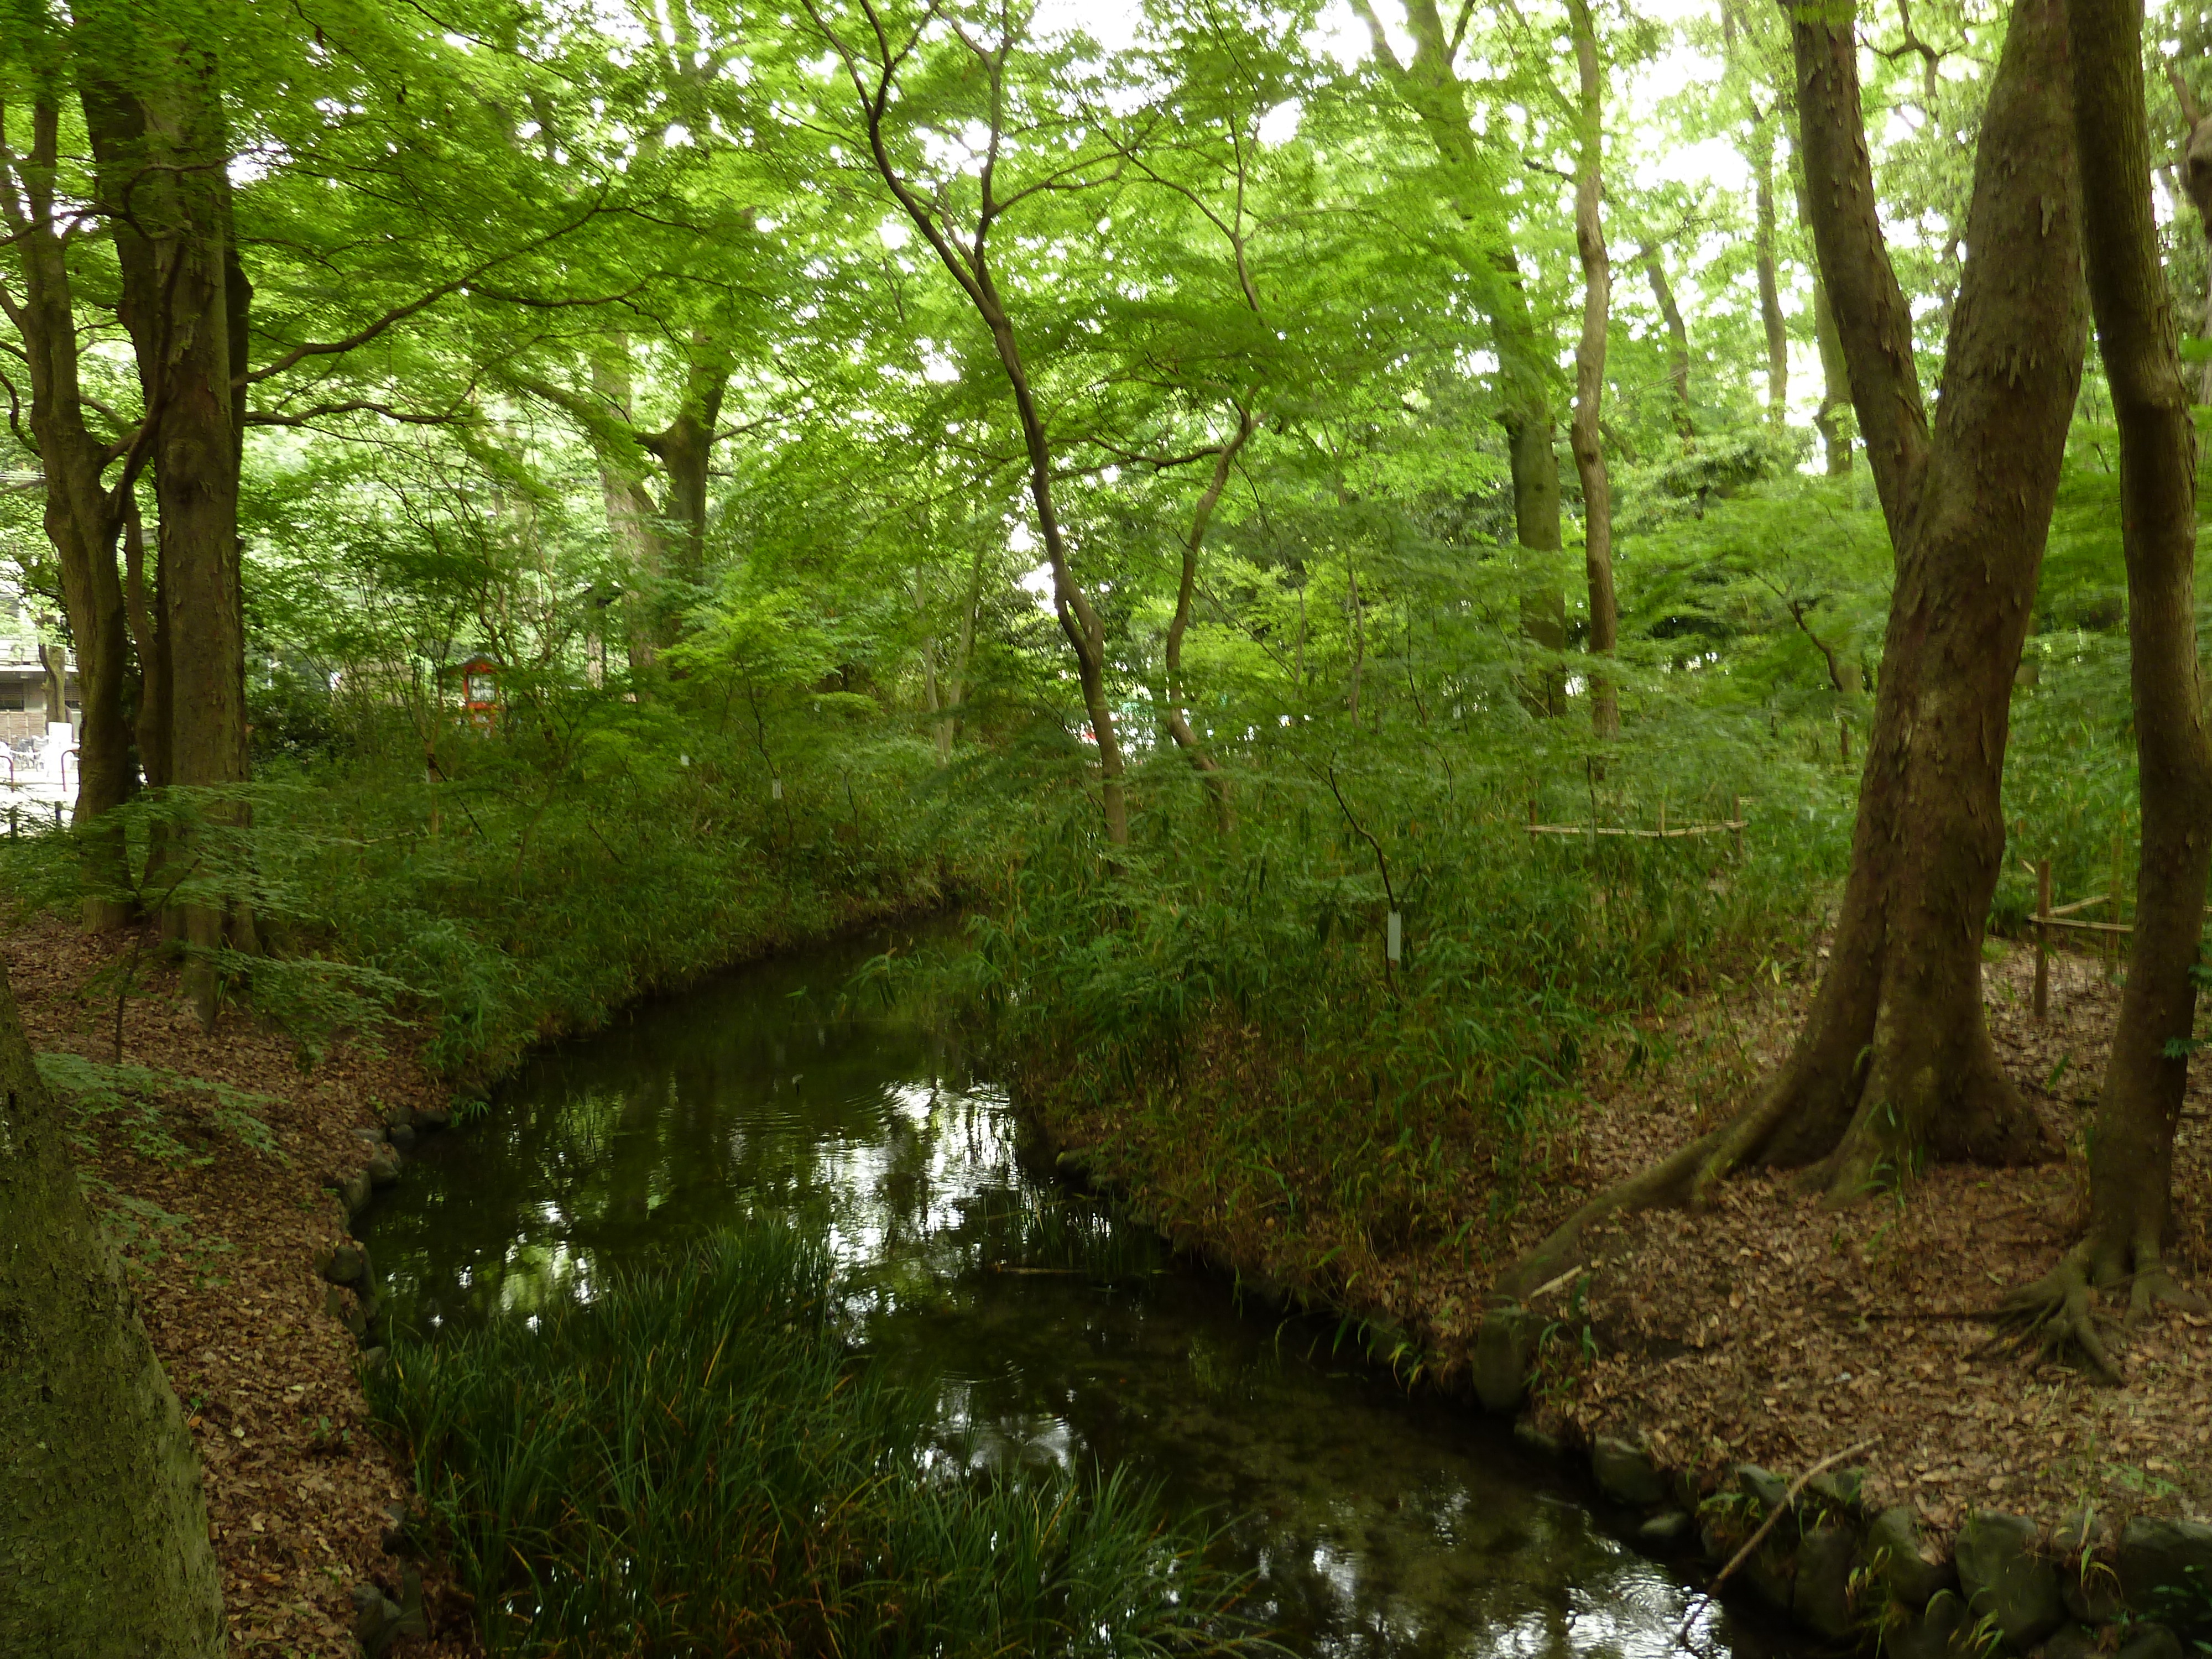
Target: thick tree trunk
1535, 468
633, 518
684, 449
104, 1546
2132, 1148
1893, 1065
158, 136
81, 518
1589, 373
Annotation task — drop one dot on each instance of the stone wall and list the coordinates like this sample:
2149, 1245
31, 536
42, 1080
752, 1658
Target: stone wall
1851, 1575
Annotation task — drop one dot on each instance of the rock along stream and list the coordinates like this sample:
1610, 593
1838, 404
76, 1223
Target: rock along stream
1055, 1328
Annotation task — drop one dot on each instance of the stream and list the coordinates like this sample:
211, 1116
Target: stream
1055, 1329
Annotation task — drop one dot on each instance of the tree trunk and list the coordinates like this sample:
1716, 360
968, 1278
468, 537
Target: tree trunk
1178, 724
1431, 88
1589, 373
2197, 179
1835, 375
81, 518
1536, 526
1770, 291
633, 520
1678, 345
103, 1522
684, 449
2132, 1148
158, 136
1893, 1065
955, 683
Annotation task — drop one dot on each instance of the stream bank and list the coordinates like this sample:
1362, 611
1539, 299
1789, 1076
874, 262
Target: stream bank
1702, 1362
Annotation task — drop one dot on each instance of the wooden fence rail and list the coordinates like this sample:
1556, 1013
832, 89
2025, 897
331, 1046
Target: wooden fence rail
2048, 916
1734, 825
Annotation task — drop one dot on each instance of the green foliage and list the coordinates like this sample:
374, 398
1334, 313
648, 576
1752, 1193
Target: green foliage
137, 1097
691, 1461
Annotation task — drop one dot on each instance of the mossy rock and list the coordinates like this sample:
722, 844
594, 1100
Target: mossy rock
1625, 1471
2164, 1570
2006, 1578
1892, 1554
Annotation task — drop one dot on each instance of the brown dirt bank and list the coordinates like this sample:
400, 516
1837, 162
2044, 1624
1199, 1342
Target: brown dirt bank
219, 1237
219, 1227
1770, 1330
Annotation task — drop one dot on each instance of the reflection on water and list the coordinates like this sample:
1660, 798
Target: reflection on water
1055, 1330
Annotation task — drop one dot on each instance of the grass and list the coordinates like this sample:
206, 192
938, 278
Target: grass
693, 1463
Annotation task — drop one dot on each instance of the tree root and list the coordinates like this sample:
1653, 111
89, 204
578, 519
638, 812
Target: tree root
2057, 1314
2054, 1315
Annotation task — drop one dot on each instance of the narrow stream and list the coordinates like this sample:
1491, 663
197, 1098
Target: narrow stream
1054, 1328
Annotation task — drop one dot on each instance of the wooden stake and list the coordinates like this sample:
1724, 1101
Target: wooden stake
2042, 939
2119, 854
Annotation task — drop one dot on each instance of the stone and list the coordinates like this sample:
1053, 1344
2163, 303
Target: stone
413, 1621
1929, 1635
372, 1359
1503, 1349
2073, 1642
2006, 1578
2151, 1642
1892, 1554
341, 1264
1626, 1473
398, 1117
2165, 1571
2090, 1590
1771, 1489
1841, 1490
1771, 1573
376, 1620
401, 1526
371, 1132
433, 1117
1822, 1600
402, 1136
1664, 1530
353, 1193
1525, 1431
383, 1167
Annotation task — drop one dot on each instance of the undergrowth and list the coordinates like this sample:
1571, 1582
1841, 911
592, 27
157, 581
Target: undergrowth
691, 1462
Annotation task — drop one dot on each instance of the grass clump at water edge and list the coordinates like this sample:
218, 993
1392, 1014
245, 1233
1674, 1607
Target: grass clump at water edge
694, 1463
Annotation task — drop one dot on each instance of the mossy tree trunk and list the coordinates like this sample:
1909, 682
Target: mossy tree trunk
2131, 1146
1893, 1065
152, 107
104, 1550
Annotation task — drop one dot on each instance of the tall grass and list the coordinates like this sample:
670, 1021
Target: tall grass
692, 1463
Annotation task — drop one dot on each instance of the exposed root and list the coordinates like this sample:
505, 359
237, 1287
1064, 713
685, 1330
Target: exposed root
2057, 1314
2054, 1315
1686, 1180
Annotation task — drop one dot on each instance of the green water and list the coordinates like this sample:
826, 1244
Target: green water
1055, 1329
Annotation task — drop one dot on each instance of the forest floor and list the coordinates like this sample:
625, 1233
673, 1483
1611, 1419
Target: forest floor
219, 1223
1774, 1330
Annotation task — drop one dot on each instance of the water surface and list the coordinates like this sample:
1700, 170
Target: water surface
1055, 1329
